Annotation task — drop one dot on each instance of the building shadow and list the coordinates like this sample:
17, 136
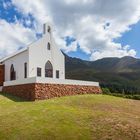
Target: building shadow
14, 98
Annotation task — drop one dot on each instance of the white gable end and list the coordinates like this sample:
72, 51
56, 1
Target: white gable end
45, 50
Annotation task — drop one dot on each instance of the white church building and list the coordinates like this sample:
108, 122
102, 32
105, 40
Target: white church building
38, 72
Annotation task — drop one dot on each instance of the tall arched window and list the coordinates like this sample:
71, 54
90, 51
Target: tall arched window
49, 46
12, 73
48, 70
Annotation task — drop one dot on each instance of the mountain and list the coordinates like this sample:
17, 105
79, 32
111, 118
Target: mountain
117, 74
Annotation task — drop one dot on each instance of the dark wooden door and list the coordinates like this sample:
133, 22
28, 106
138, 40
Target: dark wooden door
1, 75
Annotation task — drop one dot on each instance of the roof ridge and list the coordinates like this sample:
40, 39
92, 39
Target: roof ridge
14, 54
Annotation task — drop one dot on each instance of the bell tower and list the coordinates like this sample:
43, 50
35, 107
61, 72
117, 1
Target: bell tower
47, 28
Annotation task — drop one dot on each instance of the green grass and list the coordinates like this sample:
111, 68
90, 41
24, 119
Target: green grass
83, 117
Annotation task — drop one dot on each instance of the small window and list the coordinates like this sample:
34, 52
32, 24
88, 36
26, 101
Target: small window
57, 74
49, 29
49, 46
39, 72
25, 70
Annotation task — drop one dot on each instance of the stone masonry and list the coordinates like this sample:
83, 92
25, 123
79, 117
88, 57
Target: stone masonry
26, 91
38, 91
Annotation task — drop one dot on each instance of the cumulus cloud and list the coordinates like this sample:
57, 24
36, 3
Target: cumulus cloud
125, 51
14, 36
94, 23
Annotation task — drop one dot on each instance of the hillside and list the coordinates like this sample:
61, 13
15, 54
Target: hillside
87, 117
118, 74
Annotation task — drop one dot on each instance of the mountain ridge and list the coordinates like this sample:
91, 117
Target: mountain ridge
114, 73
123, 64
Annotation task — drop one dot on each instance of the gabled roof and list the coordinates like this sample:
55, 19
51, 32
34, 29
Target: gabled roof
18, 52
14, 54
22, 50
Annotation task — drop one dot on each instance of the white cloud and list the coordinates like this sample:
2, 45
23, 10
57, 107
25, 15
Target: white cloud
113, 53
86, 21
72, 47
37, 8
13, 36
62, 44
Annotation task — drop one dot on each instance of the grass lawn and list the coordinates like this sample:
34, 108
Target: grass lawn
83, 117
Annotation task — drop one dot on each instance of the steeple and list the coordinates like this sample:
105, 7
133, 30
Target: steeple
47, 28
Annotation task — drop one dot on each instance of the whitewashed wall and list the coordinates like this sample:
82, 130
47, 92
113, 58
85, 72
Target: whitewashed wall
18, 62
39, 55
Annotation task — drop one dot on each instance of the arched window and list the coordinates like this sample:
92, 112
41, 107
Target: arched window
49, 46
48, 70
12, 73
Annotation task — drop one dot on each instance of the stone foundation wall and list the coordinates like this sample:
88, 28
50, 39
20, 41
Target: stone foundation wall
46, 91
26, 91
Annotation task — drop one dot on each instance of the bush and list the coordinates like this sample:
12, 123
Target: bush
135, 97
106, 91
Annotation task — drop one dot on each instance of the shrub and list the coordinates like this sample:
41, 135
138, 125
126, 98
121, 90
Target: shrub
106, 91
135, 97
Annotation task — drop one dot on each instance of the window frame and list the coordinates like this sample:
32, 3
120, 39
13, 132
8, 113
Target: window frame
57, 74
25, 70
39, 72
48, 69
12, 73
49, 29
49, 46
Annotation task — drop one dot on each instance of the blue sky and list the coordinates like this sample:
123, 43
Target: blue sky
10, 13
106, 35
132, 38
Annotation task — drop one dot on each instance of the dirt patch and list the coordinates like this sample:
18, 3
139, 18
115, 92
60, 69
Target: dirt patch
115, 129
